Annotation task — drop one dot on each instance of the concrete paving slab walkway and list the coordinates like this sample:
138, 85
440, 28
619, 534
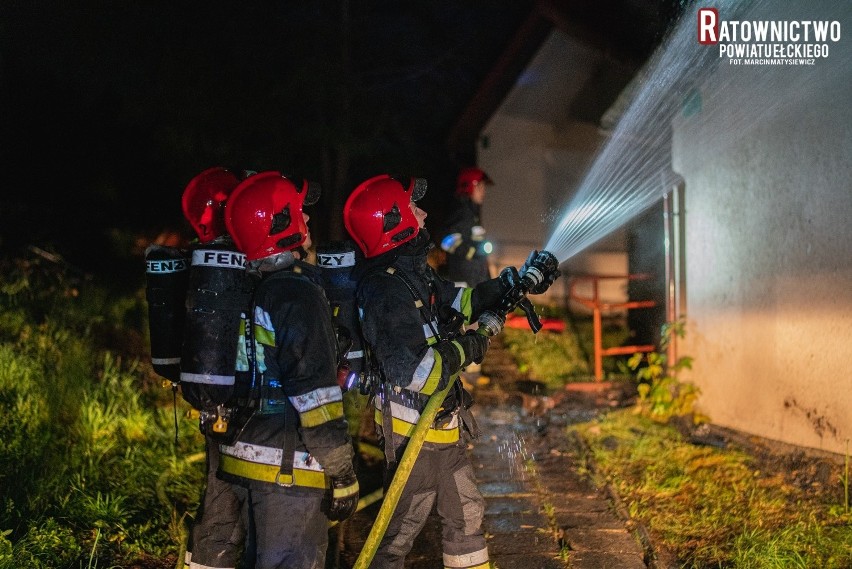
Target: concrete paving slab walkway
541, 512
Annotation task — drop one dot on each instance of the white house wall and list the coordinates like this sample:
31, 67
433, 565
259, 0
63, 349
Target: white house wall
515, 204
537, 158
767, 164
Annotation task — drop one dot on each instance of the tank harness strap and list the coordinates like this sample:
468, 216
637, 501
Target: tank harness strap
422, 308
425, 314
291, 416
289, 447
383, 387
468, 421
253, 402
174, 407
387, 425
260, 391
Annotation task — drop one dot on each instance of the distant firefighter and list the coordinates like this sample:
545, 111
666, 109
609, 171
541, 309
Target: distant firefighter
464, 242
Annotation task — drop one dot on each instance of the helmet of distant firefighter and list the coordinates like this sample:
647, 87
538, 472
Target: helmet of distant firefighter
469, 179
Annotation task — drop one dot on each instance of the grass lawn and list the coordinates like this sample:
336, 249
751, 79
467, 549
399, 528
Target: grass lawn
707, 507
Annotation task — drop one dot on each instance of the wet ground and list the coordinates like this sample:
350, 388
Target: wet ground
541, 512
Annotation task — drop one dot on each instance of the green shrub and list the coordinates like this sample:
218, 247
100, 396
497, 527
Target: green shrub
25, 432
661, 394
557, 358
552, 358
47, 545
94, 474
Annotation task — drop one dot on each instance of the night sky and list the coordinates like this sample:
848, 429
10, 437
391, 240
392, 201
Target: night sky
110, 108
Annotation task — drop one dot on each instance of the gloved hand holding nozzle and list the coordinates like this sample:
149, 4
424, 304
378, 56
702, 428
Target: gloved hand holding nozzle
539, 271
474, 345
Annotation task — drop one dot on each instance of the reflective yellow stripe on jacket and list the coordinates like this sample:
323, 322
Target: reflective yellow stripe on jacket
405, 419
319, 406
256, 462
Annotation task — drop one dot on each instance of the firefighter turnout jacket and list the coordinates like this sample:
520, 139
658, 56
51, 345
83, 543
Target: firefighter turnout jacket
400, 330
400, 305
298, 436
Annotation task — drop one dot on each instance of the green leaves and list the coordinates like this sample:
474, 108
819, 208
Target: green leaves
710, 507
661, 395
91, 471
553, 359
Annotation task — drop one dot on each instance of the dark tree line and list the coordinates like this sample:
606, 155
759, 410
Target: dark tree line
109, 108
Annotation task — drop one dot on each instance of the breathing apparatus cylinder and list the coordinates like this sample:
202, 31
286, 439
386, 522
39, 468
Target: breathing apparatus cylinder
218, 296
166, 278
336, 261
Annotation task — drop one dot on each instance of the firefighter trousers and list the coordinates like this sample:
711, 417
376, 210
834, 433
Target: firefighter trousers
261, 526
218, 533
443, 477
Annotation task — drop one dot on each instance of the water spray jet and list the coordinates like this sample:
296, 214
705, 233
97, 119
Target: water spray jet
633, 171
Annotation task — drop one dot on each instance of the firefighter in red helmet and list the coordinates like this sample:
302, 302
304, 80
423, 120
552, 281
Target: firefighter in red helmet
203, 204
464, 239
290, 465
411, 320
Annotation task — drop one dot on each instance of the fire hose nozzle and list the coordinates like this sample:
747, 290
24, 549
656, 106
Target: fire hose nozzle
537, 274
541, 266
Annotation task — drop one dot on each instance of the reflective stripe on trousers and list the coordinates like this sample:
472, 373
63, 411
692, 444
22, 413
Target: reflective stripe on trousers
219, 534
257, 462
470, 561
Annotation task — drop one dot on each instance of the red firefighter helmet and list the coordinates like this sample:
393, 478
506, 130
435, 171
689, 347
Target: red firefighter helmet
468, 178
204, 200
378, 215
264, 214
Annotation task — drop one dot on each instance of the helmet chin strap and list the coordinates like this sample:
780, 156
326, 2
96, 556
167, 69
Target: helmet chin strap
300, 253
422, 238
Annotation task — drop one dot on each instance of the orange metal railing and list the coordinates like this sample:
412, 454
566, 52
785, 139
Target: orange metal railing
598, 308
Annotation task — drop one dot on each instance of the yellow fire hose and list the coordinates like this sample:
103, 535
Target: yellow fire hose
415, 443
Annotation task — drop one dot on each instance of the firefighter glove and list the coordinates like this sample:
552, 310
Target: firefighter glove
473, 346
508, 277
344, 496
450, 321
